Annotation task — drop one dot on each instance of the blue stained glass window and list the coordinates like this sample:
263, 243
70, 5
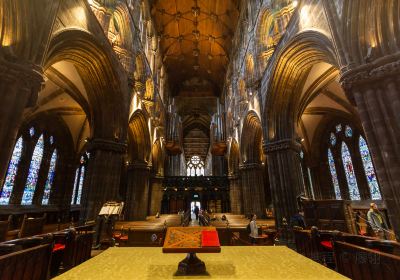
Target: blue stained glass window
335, 180
333, 139
81, 179
11, 173
74, 188
338, 128
350, 175
31, 131
348, 131
51, 140
50, 179
33, 174
301, 154
369, 170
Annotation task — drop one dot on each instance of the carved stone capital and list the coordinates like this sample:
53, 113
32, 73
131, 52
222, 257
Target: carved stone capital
249, 166
280, 145
26, 76
107, 145
370, 73
139, 165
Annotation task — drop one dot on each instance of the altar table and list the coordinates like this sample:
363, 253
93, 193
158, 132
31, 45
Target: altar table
234, 262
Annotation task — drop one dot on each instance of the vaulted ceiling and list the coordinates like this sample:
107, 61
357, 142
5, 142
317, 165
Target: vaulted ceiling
196, 39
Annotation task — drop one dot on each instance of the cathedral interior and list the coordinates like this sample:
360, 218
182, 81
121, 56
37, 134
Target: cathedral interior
233, 107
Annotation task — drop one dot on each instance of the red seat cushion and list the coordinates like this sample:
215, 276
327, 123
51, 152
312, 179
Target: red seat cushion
327, 244
124, 238
58, 247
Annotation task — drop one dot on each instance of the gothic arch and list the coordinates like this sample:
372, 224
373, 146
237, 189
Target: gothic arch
250, 142
285, 84
104, 79
158, 158
233, 158
139, 141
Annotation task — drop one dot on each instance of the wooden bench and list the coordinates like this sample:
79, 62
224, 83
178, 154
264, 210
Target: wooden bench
4, 225
32, 226
360, 263
146, 236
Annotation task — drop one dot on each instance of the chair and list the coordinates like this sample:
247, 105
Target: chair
4, 228
32, 226
360, 263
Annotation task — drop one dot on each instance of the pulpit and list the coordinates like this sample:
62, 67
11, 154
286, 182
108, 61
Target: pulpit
105, 223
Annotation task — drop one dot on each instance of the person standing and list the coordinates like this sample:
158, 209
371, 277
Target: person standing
196, 212
253, 229
377, 221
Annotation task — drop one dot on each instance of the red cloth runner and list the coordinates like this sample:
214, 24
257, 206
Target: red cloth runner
209, 238
58, 247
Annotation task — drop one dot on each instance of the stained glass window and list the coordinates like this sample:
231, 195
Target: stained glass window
338, 128
350, 175
81, 179
33, 174
74, 188
195, 166
31, 131
51, 140
50, 178
369, 170
11, 173
348, 131
301, 154
333, 139
335, 180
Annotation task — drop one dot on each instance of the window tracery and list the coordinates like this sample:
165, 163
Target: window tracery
195, 167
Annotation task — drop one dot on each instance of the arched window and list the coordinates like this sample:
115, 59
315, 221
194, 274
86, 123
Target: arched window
33, 173
335, 180
350, 175
79, 180
195, 166
11, 173
50, 177
369, 169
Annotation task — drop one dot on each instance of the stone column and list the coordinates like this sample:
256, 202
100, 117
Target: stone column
235, 194
19, 87
375, 90
285, 177
253, 189
156, 195
102, 180
137, 197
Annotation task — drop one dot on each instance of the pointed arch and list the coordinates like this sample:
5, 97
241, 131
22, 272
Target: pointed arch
33, 174
350, 174
50, 178
369, 170
233, 158
251, 139
139, 140
335, 180
11, 172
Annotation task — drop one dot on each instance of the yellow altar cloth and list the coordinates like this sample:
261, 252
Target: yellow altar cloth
242, 262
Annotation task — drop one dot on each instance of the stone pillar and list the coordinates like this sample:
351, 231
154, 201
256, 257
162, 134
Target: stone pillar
19, 87
137, 196
102, 180
375, 90
235, 194
156, 195
253, 189
286, 181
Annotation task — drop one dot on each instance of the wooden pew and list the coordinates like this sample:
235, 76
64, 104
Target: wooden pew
32, 226
27, 264
145, 236
4, 225
360, 263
